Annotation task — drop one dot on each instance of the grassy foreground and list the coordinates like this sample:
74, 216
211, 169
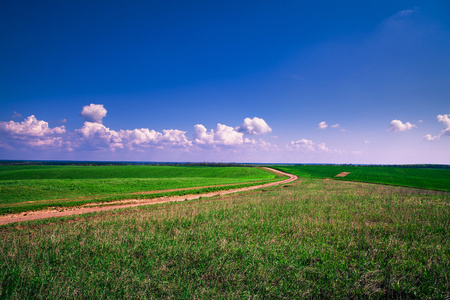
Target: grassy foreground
25, 188
436, 179
312, 239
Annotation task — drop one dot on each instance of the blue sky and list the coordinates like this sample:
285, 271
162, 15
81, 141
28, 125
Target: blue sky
240, 81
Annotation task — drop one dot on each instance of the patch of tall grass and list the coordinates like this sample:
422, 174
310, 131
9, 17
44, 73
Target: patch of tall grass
311, 239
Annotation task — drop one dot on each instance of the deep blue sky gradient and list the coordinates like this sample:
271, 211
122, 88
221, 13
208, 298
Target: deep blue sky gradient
173, 64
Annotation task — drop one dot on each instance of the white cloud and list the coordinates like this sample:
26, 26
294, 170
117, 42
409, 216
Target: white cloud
322, 125
445, 119
138, 137
397, 125
174, 137
254, 126
30, 127
223, 135
94, 113
98, 136
429, 137
307, 146
53, 142
93, 135
227, 135
259, 144
32, 133
202, 136
366, 142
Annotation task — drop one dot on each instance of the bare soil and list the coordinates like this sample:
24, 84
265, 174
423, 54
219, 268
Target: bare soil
342, 174
51, 213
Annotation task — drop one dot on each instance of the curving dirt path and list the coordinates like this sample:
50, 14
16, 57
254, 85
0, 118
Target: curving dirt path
45, 214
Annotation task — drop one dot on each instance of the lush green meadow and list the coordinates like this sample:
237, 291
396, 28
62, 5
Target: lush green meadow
35, 187
428, 178
315, 238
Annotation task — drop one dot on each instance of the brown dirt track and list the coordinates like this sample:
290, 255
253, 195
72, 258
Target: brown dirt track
45, 214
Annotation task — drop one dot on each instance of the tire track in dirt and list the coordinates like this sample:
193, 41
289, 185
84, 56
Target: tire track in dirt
45, 214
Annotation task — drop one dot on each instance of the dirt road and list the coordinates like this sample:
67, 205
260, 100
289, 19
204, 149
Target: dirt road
45, 214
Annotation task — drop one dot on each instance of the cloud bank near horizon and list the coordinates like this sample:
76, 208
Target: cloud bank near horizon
96, 137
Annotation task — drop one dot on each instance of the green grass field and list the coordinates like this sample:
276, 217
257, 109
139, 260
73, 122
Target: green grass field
437, 179
25, 188
314, 238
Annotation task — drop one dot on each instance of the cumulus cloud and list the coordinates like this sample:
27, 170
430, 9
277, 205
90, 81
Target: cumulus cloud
98, 136
254, 126
322, 125
174, 137
222, 135
93, 135
397, 125
94, 113
444, 119
30, 127
228, 135
202, 136
139, 137
307, 146
30, 132
335, 125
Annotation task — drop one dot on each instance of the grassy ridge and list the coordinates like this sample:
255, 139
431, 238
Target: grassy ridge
59, 185
314, 239
104, 200
126, 171
437, 179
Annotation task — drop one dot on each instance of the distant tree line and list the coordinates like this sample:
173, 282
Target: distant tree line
109, 163
417, 166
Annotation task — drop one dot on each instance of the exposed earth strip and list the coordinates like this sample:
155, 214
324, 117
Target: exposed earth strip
45, 214
342, 174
